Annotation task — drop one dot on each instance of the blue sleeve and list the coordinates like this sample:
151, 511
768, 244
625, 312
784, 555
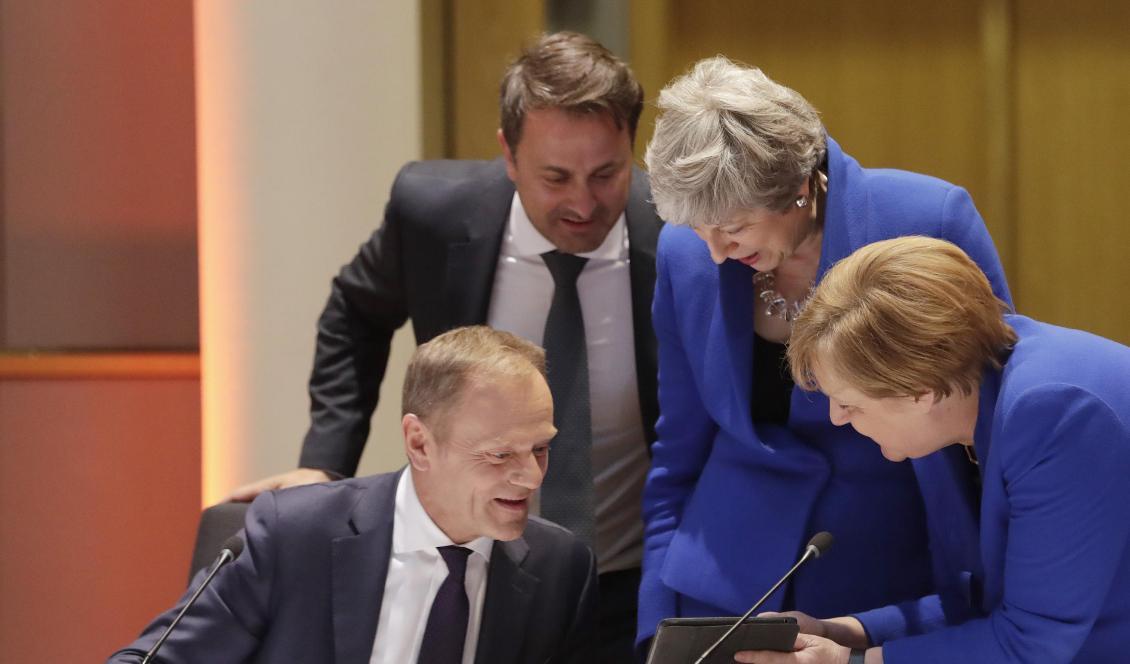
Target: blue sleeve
685, 433
1064, 464
230, 617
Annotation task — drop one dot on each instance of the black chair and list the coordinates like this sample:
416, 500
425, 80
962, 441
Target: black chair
217, 524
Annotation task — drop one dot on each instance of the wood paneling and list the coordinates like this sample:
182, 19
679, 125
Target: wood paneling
486, 36
56, 366
99, 497
1019, 102
1073, 92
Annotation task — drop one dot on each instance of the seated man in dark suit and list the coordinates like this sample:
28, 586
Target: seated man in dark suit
437, 563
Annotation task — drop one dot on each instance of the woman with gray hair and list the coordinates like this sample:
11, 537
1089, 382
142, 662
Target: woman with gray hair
760, 202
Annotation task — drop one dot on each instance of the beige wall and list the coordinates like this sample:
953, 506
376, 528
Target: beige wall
305, 112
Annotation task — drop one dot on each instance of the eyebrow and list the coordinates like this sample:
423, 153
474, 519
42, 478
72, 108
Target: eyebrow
615, 163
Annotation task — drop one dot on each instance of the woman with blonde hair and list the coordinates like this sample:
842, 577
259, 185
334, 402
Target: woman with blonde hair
760, 201
912, 349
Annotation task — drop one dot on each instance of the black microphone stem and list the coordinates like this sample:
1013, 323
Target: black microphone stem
808, 553
225, 557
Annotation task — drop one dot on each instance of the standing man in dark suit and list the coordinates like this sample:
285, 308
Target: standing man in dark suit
436, 564
463, 243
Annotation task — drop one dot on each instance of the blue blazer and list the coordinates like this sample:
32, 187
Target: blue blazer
1053, 438
729, 505
309, 584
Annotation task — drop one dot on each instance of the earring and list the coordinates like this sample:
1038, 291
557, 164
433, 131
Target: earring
801, 201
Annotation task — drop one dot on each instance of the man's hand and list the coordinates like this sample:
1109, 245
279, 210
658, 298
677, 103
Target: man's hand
809, 649
297, 477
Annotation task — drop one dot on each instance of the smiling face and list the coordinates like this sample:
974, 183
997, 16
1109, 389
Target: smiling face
760, 238
572, 172
476, 466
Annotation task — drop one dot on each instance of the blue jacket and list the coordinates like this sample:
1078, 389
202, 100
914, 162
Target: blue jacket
729, 505
1053, 437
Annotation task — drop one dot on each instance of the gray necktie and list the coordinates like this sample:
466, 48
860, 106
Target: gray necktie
566, 493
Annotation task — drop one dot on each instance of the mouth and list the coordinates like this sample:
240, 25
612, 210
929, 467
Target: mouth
514, 505
750, 259
575, 223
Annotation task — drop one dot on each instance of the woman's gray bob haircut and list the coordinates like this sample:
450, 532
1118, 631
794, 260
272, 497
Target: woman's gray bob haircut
729, 138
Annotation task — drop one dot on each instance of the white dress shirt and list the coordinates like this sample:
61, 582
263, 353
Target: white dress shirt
519, 303
415, 572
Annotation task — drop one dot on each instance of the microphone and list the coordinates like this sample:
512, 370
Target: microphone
817, 546
229, 551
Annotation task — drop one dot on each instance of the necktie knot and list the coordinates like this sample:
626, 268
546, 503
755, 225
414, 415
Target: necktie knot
565, 268
456, 559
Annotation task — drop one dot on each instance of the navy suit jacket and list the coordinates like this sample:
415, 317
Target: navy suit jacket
729, 504
1053, 439
309, 583
433, 260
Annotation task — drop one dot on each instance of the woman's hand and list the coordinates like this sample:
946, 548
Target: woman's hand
846, 631
809, 649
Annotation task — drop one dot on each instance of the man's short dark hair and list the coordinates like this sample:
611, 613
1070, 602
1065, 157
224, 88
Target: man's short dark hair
572, 72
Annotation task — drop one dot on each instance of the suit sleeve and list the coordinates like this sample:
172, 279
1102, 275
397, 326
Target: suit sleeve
579, 646
229, 619
364, 310
966, 229
685, 434
1064, 473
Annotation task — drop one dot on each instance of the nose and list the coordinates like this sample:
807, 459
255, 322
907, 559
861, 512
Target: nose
528, 473
583, 201
717, 242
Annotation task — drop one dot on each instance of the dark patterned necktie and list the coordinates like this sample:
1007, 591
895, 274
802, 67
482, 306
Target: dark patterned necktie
566, 493
447, 621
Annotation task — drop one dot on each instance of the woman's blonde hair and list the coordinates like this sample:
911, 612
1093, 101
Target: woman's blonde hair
902, 317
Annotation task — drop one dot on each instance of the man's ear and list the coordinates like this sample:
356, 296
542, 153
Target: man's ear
418, 443
508, 155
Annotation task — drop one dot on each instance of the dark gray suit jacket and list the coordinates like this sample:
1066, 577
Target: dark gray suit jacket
433, 260
309, 584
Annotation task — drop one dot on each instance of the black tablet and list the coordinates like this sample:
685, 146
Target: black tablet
683, 640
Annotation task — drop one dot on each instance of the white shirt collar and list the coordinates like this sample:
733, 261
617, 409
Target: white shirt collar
525, 240
414, 530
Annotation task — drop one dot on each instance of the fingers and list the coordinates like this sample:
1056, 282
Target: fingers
247, 492
296, 477
808, 649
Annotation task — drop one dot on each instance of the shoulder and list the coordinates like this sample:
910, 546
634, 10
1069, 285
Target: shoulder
438, 189
553, 548
1062, 386
324, 508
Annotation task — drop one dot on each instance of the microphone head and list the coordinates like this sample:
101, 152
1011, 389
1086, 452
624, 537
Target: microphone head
234, 544
820, 543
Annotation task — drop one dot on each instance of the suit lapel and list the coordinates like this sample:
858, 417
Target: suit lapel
506, 608
360, 566
643, 236
733, 357
473, 255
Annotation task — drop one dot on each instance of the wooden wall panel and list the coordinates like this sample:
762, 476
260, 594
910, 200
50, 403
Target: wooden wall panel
99, 497
486, 36
1019, 102
1073, 92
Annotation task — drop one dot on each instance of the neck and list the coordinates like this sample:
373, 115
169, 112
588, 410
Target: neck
959, 411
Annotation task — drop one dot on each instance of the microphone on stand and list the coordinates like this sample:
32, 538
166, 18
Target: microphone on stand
817, 546
230, 550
